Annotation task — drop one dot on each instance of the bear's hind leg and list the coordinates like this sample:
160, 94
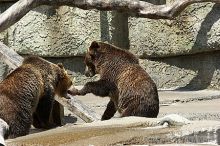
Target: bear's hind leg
141, 110
21, 126
109, 111
43, 113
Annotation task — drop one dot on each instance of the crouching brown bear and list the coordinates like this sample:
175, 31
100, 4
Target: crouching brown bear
131, 90
21, 91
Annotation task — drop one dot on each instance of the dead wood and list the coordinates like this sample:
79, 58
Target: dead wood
135, 7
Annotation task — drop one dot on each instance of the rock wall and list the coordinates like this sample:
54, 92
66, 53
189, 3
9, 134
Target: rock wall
196, 30
179, 53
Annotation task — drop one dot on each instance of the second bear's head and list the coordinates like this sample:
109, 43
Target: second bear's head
92, 56
103, 55
53, 75
64, 81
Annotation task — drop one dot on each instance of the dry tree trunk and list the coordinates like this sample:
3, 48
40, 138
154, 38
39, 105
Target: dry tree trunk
136, 7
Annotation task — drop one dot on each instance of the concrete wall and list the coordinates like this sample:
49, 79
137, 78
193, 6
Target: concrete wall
176, 53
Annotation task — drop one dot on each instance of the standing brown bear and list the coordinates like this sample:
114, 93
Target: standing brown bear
131, 90
20, 92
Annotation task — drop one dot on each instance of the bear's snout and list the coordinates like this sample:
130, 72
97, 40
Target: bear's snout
89, 72
73, 91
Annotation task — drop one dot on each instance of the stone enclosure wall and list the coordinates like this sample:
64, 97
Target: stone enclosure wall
180, 53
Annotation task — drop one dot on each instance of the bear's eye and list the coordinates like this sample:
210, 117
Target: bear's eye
92, 57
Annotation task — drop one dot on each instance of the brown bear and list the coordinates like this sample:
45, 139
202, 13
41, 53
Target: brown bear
47, 114
131, 90
21, 91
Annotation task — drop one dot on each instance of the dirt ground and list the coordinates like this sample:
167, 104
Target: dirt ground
194, 105
201, 107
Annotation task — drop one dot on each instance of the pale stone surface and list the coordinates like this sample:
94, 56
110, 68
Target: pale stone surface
139, 130
174, 120
3, 36
193, 105
67, 31
55, 31
199, 71
195, 30
127, 131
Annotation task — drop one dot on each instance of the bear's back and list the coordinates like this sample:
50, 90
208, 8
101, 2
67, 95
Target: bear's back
23, 80
18, 92
133, 75
115, 52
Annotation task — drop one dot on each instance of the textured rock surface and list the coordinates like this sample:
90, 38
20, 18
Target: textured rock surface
199, 71
195, 30
54, 32
65, 33
3, 70
76, 65
4, 35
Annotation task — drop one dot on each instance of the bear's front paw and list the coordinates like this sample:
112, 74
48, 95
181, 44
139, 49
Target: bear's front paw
104, 117
73, 91
81, 92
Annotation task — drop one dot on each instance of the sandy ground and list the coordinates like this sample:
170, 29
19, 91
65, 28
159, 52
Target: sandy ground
202, 107
122, 131
194, 105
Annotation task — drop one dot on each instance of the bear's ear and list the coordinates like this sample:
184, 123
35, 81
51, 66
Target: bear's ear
94, 44
60, 65
93, 48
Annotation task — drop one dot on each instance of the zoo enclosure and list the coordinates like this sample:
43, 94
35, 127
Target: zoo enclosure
179, 53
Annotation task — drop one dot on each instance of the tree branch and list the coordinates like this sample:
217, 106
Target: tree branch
136, 7
16, 12
168, 11
78, 108
9, 56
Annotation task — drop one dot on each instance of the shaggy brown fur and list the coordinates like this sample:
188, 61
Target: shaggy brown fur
131, 90
35, 80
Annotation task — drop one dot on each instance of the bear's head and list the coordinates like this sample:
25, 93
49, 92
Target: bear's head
94, 56
91, 56
64, 81
101, 53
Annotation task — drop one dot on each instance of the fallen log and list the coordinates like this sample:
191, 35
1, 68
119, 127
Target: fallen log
13, 60
9, 56
77, 107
